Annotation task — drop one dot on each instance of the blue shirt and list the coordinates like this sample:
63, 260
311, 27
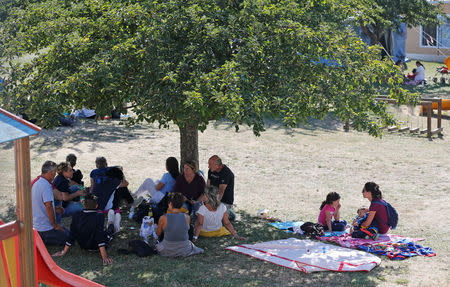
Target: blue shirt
169, 183
98, 172
41, 192
105, 192
61, 183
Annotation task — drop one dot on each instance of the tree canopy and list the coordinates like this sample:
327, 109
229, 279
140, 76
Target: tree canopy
381, 15
189, 62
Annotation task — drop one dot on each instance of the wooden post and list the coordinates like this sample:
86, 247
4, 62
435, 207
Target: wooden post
24, 212
347, 125
439, 116
429, 111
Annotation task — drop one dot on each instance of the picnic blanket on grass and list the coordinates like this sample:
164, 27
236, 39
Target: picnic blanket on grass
399, 250
346, 240
309, 256
396, 247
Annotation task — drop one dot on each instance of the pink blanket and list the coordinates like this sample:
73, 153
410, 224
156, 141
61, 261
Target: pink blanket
346, 240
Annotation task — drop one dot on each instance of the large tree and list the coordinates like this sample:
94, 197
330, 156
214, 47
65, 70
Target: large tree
189, 62
379, 16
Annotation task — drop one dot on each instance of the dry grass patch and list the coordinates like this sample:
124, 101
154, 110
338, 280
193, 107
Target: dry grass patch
288, 171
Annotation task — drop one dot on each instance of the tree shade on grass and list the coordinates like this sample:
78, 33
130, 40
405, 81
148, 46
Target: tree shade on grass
190, 62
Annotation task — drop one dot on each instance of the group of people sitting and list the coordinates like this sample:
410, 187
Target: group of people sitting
369, 222
59, 192
194, 208
416, 77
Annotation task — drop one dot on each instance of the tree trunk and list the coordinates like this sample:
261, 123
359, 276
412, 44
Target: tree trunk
188, 142
374, 39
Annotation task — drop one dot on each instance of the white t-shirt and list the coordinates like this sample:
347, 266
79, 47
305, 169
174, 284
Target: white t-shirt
212, 220
420, 73
41, 192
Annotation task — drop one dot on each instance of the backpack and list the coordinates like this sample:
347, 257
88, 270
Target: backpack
158, 210
312, 229
391, 214
141, 248
162, 206
141, 211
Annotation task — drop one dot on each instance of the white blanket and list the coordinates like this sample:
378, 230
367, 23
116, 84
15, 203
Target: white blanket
309, 256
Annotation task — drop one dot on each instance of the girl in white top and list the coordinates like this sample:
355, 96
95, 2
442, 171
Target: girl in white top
212, 215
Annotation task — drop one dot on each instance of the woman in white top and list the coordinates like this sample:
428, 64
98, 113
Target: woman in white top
420, 73
212, 215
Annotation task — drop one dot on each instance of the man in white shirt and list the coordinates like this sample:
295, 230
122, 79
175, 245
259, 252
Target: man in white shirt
44, 207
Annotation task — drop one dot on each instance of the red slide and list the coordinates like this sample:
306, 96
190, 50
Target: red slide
51, 274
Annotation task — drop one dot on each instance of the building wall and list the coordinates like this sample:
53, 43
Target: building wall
413, 49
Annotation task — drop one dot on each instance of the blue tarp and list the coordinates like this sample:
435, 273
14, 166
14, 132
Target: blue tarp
325, 61
399, 43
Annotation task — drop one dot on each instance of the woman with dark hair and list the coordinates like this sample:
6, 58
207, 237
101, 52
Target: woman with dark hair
190, 184
175, 226
378, 216
329, 210
154, 192
70, 198
419, 75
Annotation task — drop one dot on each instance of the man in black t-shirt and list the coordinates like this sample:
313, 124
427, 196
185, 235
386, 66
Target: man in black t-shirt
222, 177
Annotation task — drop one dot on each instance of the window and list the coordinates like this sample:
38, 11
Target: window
436, 36
428, 36
444, 33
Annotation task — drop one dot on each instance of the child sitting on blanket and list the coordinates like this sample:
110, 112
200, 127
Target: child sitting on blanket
411, 77
329, 210
359, 231
362, 214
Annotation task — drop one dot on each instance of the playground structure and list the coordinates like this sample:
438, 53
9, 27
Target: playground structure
47, 271
427, 107
444, 71
444, 106
24, 259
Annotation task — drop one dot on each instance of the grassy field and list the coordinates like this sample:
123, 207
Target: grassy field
288, 171
435, 90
